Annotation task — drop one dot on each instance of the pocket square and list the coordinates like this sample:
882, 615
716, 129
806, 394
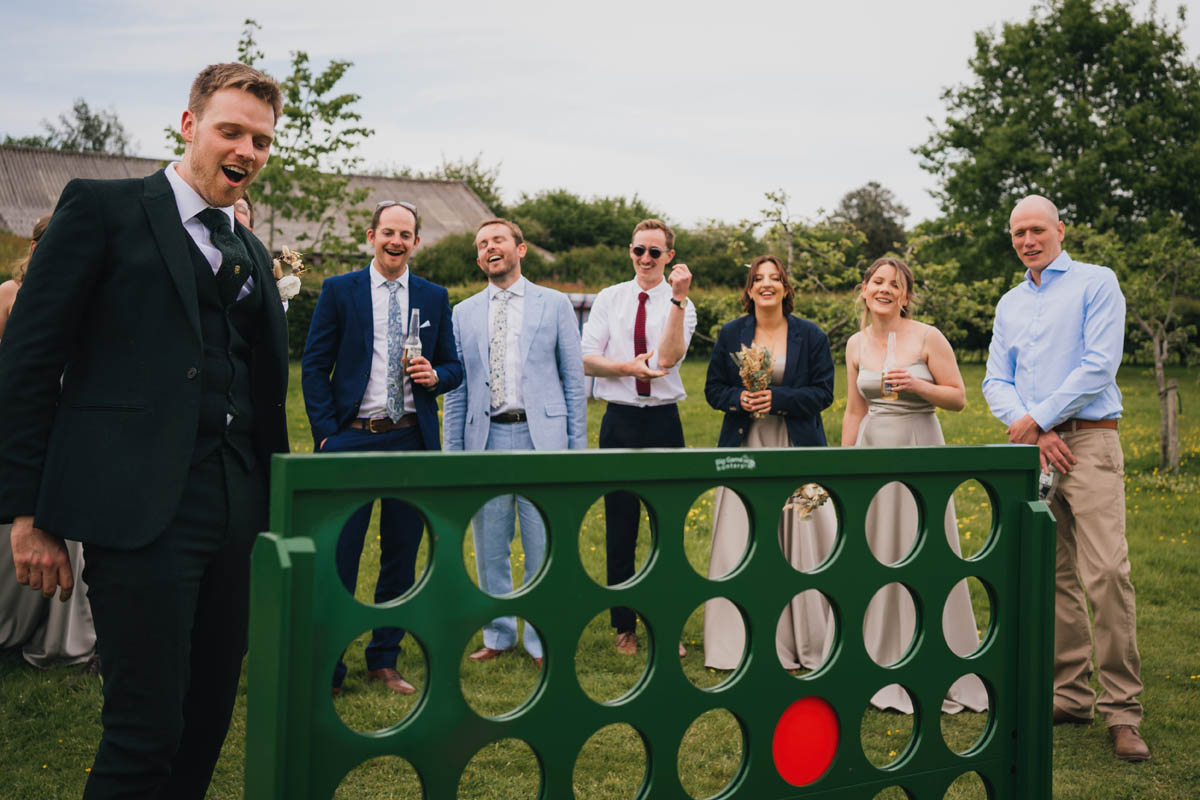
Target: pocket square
425, 324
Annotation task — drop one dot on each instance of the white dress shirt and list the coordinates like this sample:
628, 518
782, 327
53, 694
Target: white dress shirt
514, 400
608, 332
190, 203
374, 401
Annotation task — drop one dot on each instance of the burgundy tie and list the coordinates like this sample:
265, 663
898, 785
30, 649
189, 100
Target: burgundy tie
639, 340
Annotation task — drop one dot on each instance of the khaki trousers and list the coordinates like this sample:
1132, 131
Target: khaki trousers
1089, 507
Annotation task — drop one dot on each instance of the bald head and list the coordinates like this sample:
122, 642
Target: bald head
1035, 203
1037, 233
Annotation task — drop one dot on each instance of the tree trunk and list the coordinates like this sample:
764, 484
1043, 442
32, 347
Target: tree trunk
1171, 427
1165, 417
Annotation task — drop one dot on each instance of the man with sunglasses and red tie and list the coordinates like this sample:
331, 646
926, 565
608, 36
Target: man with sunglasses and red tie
633, 343
359, 396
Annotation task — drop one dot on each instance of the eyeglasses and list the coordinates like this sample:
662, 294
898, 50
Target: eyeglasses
401, 203
640, 250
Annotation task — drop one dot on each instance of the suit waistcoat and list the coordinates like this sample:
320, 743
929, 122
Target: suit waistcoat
228, 333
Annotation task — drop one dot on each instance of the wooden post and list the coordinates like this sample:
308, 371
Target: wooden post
1172, 438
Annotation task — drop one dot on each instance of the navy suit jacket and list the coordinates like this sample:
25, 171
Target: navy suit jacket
337, 355
807, 387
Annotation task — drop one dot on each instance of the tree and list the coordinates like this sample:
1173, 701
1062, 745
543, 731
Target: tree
815, 254
306, 177
877, 213
559, 220
1155, 271
1083, 103
85, 130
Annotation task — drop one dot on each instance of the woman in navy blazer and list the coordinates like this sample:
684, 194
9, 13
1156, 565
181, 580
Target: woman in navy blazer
807, 387
801, 387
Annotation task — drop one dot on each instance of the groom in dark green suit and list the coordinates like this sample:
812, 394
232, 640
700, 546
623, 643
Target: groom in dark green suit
142, 380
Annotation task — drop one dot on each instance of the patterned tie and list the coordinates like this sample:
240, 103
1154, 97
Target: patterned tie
395, 372
639, 340
497, 348
235, 259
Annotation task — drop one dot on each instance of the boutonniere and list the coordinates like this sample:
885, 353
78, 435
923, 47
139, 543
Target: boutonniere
807, 499
288, 282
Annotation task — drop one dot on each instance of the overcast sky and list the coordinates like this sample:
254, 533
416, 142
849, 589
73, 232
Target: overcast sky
698, 108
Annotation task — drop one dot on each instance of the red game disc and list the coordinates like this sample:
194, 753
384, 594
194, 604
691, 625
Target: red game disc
806, 739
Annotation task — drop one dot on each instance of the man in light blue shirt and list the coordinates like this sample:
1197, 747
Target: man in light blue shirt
1051, 378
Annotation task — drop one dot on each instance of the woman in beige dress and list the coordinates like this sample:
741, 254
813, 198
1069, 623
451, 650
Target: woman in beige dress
924, 377
801, 387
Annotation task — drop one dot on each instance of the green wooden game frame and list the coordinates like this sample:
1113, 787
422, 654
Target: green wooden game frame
301, 618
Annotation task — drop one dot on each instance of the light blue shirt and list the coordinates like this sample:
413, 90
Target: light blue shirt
1056, 347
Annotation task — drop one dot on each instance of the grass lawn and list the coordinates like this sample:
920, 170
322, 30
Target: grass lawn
49, 721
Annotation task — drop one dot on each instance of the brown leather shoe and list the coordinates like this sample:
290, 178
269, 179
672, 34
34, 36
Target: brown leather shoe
335, 691
391, 679
92, 667
1063, 718
1128, 744
486, 654
627, 643
537, 662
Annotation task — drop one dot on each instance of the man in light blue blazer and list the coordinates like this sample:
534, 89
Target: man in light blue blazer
359, 396
523, 390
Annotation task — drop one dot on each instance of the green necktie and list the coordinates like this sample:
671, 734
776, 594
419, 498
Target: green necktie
235, 259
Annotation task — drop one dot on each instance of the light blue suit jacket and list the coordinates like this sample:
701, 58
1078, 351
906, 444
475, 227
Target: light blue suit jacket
552, 383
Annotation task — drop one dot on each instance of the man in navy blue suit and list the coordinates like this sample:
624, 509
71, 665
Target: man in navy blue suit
358, 397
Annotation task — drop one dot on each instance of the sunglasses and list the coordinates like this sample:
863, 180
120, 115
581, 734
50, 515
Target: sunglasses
640, 250
401, 203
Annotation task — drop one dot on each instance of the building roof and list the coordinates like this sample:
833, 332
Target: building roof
31, 179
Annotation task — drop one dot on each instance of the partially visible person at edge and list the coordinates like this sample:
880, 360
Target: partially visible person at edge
9, 289
1051, 378
243, 209
156, 310
801, 387
633, 343
895, 407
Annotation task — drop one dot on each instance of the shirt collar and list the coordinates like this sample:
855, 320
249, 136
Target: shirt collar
378, 280
1061, 263
188, 200
517, 289
662, 287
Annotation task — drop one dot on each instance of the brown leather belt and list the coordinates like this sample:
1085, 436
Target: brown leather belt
509, 417
384, 424
1084, 424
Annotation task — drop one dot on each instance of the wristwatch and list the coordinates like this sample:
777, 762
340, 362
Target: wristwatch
677, 302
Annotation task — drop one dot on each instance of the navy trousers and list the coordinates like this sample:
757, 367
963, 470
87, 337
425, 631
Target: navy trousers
400, 529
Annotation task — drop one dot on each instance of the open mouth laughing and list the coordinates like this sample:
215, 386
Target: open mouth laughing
234, 174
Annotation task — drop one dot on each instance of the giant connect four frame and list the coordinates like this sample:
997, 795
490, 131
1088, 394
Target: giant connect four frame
800, 736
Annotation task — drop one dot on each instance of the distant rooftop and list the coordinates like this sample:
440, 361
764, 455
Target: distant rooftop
31, 179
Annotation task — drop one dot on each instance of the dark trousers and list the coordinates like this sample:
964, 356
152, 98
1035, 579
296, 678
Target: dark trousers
400, 529
626, 427
171, 627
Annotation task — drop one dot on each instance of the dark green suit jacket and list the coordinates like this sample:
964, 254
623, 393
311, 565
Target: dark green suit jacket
109, 306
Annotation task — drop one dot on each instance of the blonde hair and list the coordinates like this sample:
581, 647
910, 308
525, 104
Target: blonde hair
39, 228
902, 269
